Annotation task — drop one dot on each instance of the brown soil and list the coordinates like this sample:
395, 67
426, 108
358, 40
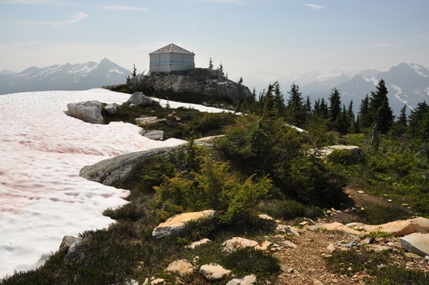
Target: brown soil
306, 264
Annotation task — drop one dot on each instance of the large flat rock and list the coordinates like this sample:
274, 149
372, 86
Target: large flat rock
416, 243
113, 170
174, 225
401, 228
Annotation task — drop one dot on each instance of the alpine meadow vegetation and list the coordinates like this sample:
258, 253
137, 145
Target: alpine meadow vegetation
263, 163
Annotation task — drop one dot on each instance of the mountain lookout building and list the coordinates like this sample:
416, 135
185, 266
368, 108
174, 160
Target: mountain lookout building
171, 58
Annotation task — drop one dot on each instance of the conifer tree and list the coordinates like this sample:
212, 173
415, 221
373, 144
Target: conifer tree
418, 123
335, 105
278, 99
342, 122
210, 64
364, 115
308, 106
400, 126
221, 68
379, 109
323, 109
295, 108
269, 107
316, 107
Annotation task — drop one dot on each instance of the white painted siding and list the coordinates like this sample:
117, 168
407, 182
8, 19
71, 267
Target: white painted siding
171, 61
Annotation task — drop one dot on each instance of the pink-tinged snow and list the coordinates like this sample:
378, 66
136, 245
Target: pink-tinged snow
42, 197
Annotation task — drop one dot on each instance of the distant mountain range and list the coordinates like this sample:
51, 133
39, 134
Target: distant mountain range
406, 83
63, 77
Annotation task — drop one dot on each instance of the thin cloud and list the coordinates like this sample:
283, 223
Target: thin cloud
75, 18
32, 2
314, 6
124, 8
237, 2
383, 45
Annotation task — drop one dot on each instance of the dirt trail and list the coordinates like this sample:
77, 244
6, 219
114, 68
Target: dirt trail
306, 264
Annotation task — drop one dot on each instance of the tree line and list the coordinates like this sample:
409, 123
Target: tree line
374, 115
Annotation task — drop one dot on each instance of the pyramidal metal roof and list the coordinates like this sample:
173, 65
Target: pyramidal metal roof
172, 48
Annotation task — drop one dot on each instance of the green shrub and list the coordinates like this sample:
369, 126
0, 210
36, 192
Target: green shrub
250, 261
379, 214
289, 209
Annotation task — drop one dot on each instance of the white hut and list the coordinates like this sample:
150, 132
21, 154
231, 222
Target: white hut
170, 58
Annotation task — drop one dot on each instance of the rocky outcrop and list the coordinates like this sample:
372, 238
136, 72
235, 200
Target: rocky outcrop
113, 170
174, 225
89, 111
199, 80
356, 154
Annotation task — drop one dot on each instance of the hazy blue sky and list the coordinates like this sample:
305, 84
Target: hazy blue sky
258, 40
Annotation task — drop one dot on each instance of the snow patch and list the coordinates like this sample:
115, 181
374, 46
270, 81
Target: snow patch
372, 79
419, 69
42, 196
398, 93
42, 151
117, 71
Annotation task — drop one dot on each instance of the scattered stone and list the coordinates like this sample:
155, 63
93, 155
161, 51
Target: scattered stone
174, 225
317, 282
144, 121
292, 231
197, 243
182, 266
379, 248
368, 240
349, 245
264, 245
110, 108
416, 243
331, 247
131, 282
288, 243
236, 243
157, 281
72, 251
361, 192
288, 229
246, 280
213, 271
336, 226
411, 255
157, 135
89, 111
265, 217
196, 260
66, 242
139, 99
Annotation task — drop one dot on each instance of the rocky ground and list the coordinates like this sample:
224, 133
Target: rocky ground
307, 262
